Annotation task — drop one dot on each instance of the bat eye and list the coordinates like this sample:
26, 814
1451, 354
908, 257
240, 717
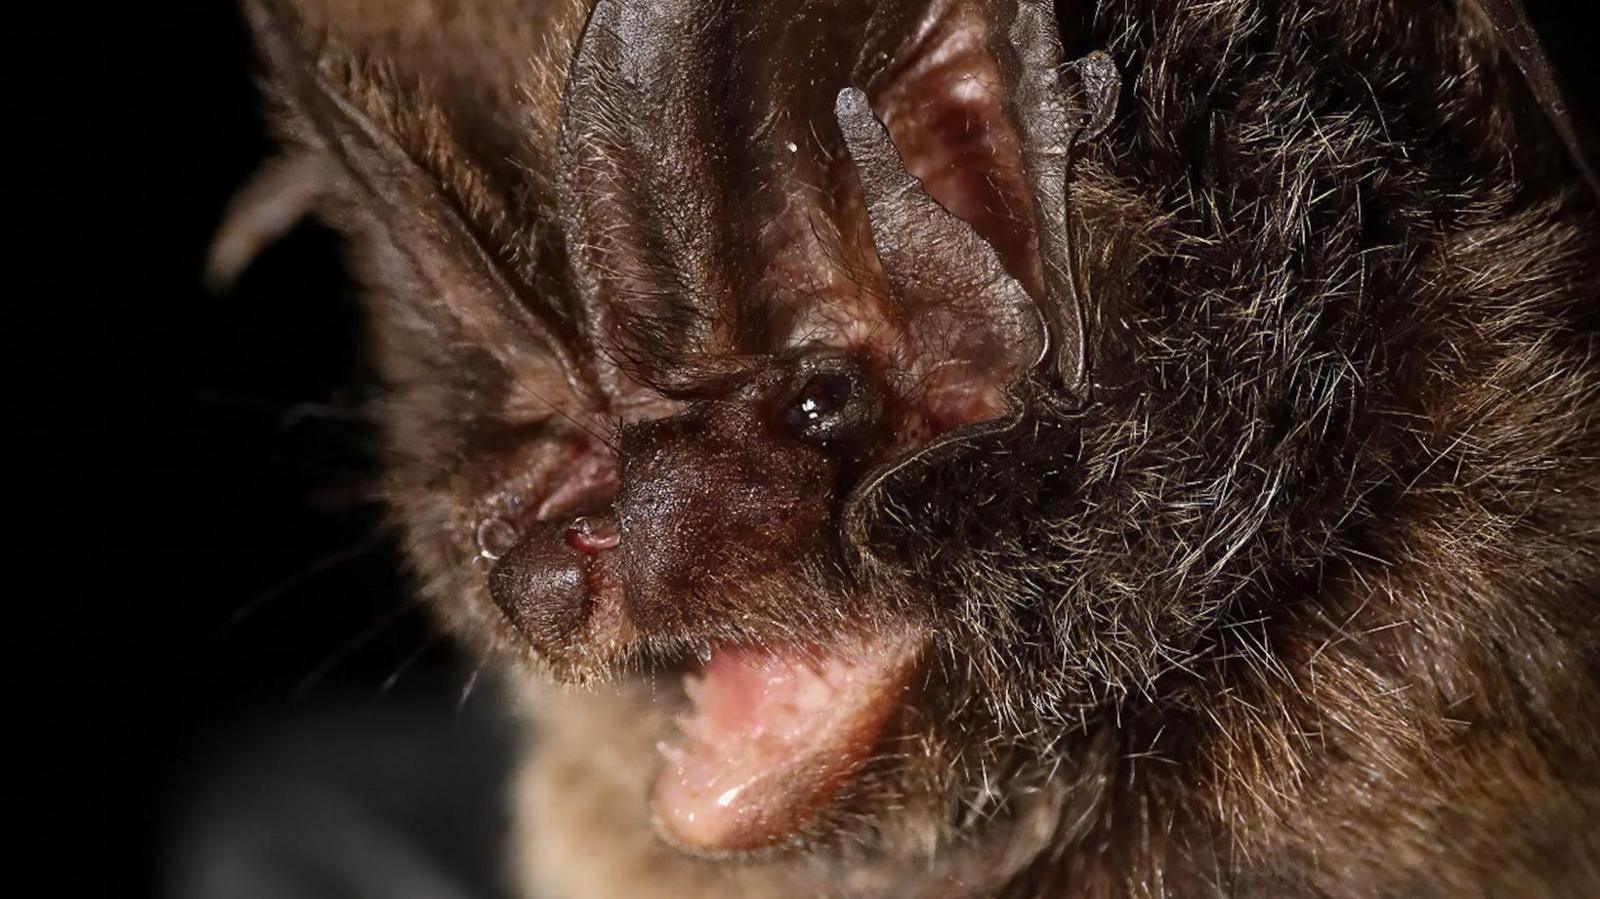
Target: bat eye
823, 397
832, 406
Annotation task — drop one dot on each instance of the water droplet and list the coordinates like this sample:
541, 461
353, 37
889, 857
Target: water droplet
495, 536
703, 653
793, 147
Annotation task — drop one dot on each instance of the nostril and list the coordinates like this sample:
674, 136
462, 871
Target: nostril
592, 536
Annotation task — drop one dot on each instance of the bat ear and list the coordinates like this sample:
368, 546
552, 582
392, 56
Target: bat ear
981, 311
426, 169
1515, 32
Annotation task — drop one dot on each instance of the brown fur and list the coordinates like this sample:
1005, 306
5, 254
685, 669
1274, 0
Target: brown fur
1315, 613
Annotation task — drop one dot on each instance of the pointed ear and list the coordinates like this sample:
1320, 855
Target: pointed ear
655, 236
436, 181
1520, 41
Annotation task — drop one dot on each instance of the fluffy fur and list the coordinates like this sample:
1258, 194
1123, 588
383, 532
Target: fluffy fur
1303, 603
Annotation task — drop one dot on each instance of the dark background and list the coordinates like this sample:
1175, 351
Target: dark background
199, 558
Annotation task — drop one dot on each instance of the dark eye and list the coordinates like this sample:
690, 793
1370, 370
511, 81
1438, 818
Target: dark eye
821, 409
823, 395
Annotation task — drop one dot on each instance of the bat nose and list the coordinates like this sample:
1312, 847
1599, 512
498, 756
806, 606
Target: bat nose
544, 584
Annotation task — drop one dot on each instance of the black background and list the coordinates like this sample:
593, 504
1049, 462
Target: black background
197, 552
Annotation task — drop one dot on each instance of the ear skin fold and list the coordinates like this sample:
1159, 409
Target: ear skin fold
929, 257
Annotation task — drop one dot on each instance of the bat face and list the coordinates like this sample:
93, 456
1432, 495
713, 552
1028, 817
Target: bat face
977, 446
785, 314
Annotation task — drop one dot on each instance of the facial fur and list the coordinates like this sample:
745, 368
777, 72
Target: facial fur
1204, 505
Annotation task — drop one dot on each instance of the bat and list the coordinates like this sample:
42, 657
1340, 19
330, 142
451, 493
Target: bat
986, 447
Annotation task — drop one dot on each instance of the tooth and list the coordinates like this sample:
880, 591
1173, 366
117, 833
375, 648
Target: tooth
729, 795
694, 688
692, 727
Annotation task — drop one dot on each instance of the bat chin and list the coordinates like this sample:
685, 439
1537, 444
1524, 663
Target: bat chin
774, 735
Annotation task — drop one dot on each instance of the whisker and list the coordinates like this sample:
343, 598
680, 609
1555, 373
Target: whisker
351, 647
468, 687
406, 665
568, 416
318, 568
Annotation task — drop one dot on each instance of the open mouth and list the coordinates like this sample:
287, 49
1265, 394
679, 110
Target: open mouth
772, 737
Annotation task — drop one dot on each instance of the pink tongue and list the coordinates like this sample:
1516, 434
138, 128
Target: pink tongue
774, 735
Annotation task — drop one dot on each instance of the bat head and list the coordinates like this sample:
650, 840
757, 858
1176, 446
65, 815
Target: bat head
949, 437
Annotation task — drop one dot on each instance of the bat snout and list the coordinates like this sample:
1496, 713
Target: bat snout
556, 584
710, 503
704, 512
